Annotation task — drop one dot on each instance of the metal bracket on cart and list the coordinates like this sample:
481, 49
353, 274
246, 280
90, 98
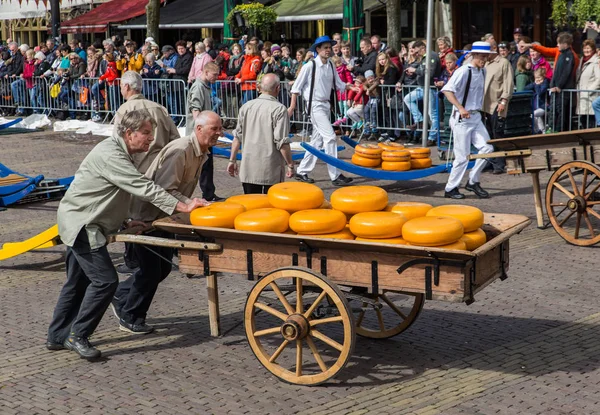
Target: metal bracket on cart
304, 247
503, 275
432, 271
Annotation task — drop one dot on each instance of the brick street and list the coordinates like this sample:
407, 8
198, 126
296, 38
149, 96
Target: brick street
528, 345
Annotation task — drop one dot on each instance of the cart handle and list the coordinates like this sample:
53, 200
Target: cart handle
501, 154
165, 242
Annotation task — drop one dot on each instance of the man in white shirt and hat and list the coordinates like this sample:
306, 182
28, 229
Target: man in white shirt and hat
315, 82
465, 91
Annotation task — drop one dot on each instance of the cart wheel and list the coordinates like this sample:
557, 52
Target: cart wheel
572, 202
288, 310
398, 310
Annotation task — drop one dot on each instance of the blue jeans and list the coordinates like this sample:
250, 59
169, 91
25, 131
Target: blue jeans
596, 107
18, 91
412, 102
35, 96
97, 98
248, 95
371, 113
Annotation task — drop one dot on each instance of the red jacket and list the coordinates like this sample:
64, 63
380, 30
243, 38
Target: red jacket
360, 97
346, 78
111, 74
249, 72
28, 69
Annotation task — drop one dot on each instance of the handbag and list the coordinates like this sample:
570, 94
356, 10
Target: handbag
84, 94
55, 90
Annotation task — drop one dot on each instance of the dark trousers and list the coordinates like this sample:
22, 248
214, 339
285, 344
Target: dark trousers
134, 295
91, 284
207, 184
495, 128
562, 111
250, 188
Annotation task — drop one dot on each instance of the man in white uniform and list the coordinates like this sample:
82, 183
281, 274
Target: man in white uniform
465, 91
322, 78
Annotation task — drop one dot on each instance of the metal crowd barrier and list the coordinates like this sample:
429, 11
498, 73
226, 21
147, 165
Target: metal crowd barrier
572, 109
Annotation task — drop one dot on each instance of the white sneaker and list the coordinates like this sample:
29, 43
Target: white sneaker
96, 118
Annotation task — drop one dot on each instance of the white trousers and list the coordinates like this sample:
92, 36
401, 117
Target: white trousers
356, 113
467, 132
323, 137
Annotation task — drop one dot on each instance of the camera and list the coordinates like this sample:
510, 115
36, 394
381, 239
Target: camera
358, 61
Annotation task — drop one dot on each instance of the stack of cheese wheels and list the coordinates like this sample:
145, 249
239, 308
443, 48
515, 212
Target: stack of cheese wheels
420, 157
318, 222
356, 199
263, 220
251, 201
410, 210
394, 157
367, 155
294, 197
217, 215
471, 219
437, 231
382, 227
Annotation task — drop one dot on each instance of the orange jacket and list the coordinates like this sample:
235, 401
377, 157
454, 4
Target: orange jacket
553, 54
249, 72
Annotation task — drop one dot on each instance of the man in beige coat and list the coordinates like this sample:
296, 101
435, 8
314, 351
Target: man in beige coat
262, 128
499, 87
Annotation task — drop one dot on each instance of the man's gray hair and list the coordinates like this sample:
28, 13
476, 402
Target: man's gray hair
203, 118
133, 79
151, 56
269, 83
133, 120
13, 44
108, 42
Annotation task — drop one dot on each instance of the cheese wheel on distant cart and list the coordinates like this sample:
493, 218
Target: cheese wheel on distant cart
364, 161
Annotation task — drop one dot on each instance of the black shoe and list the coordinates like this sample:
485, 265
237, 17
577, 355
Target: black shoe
142, 328
303, 178
54, 346
342, 180
124, 269
115, 306
82, 347
454, 194
215, 198
476, 188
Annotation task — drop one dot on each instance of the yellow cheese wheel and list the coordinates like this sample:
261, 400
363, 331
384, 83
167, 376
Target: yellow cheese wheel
397, 241
377, 225
343, 234
293, 196
400, 155
391, 146
396, 165
252, 201
474, 239
458, 245
419, 152
470, 217
409, 209
369, 156
368, 149
432, 231
318, 221
365, 162
356, 199
420, 163
263, 220
217, 215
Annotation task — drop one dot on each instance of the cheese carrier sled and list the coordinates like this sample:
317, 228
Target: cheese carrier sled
312, 296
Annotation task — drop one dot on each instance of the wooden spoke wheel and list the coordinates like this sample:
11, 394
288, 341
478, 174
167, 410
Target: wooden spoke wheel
389, 314
573, 202
299, 326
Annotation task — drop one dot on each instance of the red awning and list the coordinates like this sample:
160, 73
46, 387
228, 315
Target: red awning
98, 19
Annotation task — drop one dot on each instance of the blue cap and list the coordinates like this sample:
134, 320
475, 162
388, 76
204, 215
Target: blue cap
320, 40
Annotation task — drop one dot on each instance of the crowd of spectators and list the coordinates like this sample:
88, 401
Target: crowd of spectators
388, 84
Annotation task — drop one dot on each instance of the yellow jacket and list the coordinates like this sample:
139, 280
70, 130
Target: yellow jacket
135, 63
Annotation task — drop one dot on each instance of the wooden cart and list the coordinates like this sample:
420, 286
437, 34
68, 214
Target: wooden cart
313, 295
572, 193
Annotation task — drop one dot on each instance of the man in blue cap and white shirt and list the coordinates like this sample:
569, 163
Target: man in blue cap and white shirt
315, 82
465, 91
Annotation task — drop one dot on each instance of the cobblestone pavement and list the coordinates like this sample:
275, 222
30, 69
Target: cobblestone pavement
528, 345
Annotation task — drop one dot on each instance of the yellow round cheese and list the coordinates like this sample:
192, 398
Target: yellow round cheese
396, 165
365, 162
474, 239
295, 196
368, 149
325, 205
377, 225
343, 234
397, 241
369, 156
356, 199
217, 215
391, 146
251, 201
318, 221
421, 163
458, 246
470, 217
419, 152
263, 220
432, 231
400, 155
409, 209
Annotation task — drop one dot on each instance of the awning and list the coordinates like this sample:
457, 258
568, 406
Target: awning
184, 14
10, 10
98, 19
307, 10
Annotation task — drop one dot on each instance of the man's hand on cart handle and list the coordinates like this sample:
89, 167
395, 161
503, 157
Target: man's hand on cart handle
187, 208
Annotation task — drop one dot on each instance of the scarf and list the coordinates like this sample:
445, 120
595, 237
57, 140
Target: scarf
586, 58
